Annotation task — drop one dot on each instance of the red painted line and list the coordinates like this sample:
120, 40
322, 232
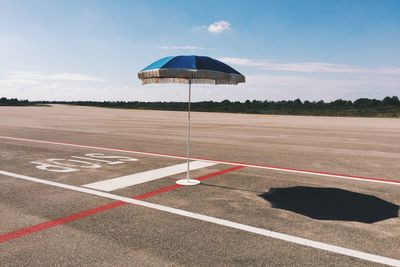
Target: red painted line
301, 170
82, 214
53, 223
176, 186
270, 167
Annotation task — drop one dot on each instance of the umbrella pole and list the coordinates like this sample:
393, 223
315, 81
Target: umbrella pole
188, 134
188, 181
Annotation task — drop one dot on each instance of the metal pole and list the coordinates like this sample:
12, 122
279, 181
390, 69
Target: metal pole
188, 181
188, 132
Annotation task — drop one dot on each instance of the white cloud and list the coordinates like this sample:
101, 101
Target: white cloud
326, 87
56, 86
36, 76
199, 28
184, 47
219, 26
271, 85
278, 87
216, 27
311, 67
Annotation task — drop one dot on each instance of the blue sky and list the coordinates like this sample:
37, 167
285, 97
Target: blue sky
92, 50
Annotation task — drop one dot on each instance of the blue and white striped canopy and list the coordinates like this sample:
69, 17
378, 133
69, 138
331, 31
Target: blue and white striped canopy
194, 69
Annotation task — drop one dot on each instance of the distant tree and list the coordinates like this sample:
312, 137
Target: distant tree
342, 103
394, 100
297, 102
365, 102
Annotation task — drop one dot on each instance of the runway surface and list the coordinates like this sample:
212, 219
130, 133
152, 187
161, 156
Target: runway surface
96, 186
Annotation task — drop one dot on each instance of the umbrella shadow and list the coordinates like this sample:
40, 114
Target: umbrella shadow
331, 204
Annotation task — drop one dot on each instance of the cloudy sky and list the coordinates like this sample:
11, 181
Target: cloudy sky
92, 50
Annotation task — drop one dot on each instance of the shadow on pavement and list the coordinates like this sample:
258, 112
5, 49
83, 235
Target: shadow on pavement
331, 204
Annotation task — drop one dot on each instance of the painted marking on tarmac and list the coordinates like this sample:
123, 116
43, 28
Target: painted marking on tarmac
257, 166
78, 162
83, 214
226, 223
147, 176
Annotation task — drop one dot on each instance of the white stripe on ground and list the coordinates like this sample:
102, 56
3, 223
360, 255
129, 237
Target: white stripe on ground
147, 176
339, 176
205, 218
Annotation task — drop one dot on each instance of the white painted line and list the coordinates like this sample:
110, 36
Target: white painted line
205, 218
257, 166
147, 176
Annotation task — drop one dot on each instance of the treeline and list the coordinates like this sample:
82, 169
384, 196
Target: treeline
14, 102
387, 107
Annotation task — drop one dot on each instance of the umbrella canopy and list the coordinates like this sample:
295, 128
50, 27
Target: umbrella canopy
190, 69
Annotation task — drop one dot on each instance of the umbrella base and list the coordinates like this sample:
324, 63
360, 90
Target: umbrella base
188, 182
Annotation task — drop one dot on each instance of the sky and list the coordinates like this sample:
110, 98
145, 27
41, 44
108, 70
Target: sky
93, 50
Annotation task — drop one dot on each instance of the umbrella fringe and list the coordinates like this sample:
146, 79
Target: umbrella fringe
185, 81
184, 75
